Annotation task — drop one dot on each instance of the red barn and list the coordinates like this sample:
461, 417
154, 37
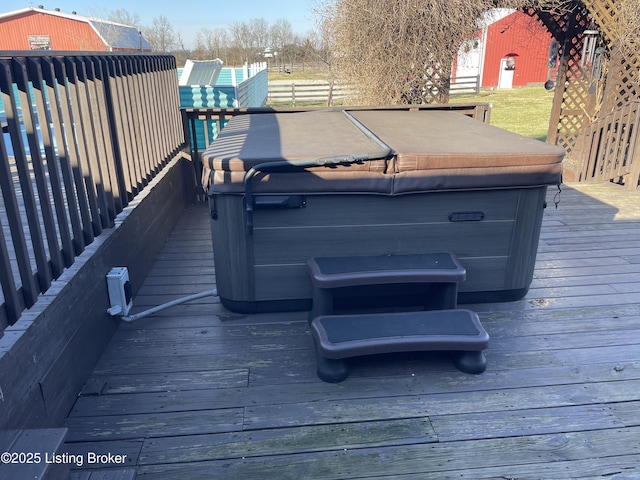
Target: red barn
511, 50
40, 29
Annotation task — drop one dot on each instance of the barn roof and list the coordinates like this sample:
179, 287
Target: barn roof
120, 36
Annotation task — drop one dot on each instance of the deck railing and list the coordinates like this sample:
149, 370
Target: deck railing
611, 151
83, 133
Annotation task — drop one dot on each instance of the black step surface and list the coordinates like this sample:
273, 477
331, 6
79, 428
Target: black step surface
331, 272
342, 336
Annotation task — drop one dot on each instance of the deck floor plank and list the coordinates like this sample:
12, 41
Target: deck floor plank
153, 425
286, 440
197, 391
529, 453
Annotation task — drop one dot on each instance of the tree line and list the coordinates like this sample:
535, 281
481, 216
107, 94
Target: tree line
256, 40
241, 42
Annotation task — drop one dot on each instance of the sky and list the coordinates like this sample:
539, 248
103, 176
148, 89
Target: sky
187, 17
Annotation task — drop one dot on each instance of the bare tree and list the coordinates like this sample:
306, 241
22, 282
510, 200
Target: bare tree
240, 41
628, 22
246, 42
281, 40
260, 37
317, 48
543, 5
124, 17
281, 34
161, 35
400, 51
211, 43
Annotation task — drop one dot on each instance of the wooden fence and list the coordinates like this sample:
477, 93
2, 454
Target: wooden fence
327, 93
464, 86
610, 149
84, 134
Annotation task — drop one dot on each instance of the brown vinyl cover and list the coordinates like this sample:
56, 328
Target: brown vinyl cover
433, 150
440, 150
248, 140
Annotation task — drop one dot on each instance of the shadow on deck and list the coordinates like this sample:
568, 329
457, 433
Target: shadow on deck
199, 392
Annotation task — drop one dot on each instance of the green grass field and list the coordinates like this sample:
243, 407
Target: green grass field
523, 110
298, 73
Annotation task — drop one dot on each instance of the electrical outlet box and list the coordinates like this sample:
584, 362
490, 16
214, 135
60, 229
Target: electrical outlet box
120, 291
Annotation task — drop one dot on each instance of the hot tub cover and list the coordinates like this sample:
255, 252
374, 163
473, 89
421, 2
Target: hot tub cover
429, 150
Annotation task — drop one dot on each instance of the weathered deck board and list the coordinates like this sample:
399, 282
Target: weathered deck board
512, 455
169, 424
283, 441
196, 391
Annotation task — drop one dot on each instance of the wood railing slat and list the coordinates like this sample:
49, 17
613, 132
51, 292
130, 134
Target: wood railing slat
610, 147
86, 133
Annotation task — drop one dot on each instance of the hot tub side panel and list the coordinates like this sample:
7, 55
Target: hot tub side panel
232, 249
526, 236
493, 232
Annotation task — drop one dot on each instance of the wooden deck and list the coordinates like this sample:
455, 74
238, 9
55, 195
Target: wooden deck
199, 392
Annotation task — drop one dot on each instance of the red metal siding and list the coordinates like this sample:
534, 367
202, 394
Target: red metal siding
521, 34
64, 33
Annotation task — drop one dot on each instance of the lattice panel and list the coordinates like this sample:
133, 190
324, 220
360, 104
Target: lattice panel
605, 14
573, 115
581, 98
573, 106
623, 81
622, 84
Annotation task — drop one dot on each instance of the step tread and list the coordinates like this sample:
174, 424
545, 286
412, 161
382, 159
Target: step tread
343, 336
335, 272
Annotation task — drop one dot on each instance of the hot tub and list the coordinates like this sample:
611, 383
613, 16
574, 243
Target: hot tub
285, 187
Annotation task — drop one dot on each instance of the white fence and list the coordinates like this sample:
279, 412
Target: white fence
253, 91
464, 86
317, 92
308, 92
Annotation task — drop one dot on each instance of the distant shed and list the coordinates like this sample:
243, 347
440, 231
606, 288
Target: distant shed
523, 35
511, 50
39, 29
